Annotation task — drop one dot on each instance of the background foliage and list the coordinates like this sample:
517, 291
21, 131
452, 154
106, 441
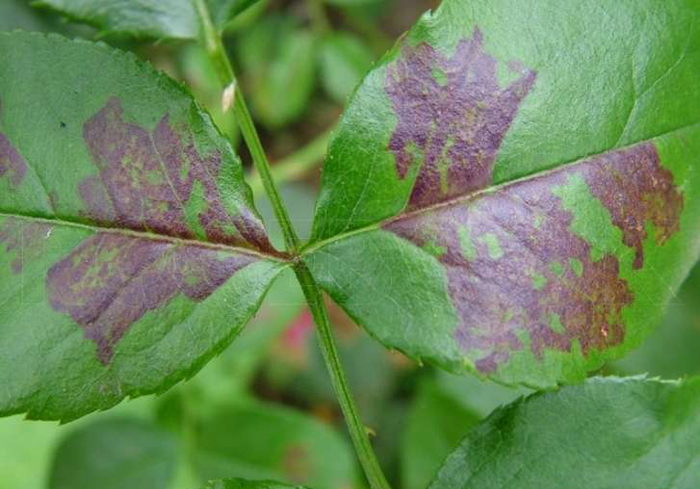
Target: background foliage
270, 388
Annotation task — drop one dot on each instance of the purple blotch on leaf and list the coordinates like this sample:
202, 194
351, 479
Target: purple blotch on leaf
12, 165
543, 287
452, 117
145, 182
110, 281
24, 239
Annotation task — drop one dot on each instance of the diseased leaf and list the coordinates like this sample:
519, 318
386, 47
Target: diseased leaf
246, 484
629, 433
147, 18
130, 249
501, 197
116, 454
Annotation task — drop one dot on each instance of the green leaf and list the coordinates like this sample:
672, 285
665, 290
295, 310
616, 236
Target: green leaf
147, 18
279, 62
115, 454
130, 249
260, 441
629, 433
246, 484
679, 332
514, 190
436, 423
344, 59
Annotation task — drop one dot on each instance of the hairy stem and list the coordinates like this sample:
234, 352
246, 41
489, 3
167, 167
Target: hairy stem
358, 432
297, 164
232, 96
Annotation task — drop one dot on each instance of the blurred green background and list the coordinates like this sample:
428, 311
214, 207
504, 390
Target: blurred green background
265, 408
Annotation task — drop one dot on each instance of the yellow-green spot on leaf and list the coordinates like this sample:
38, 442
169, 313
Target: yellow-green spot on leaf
576, 266
555, 324
538, 281
433, 248
556, 268
466, 243
439, 76
492, 245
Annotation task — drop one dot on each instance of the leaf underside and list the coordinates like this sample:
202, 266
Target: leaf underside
499, 198
130, 250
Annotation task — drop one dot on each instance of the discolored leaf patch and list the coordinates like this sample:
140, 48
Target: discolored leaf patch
520, 277
23, 241
149, 182
452, 117
12, 165
110, 281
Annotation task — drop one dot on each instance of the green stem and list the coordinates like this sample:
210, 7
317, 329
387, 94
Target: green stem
358, 432
295, 165
232, 94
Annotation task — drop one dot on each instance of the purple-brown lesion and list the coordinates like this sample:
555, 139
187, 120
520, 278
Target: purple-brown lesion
110, 281
543, 290
13, 168
145, 182
452, 117
24, 241
637, 190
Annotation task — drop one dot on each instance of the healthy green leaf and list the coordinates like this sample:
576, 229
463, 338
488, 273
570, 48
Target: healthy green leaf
630, 433
147, 18
130, 249
260, 441
115, 454
246, 484
514, 190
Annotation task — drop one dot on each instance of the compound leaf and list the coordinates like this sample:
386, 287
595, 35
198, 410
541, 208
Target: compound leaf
514, 190
130, 249
628, 433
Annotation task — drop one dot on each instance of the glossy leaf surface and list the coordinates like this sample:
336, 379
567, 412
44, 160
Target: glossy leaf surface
130, 250
630, 433
148, 18
515, 190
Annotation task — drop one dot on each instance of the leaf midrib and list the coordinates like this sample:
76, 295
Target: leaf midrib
55, 221
314, 246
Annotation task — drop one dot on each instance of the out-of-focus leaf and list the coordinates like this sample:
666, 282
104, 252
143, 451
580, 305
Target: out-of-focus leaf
279, 66
478, 396
514, 189
147, 18
435, 424
264, 441
344, 60
130, 249
629, 433
247, 484
115, 454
